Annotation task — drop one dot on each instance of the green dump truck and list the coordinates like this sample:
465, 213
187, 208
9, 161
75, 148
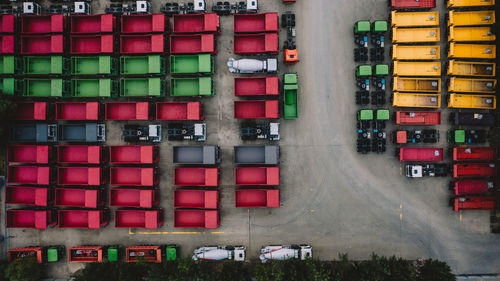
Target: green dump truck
8, 65
92, 88
363, 76
192, 64
142, 87
365, 118
93, 65
194, 86
48, 65
290, 97
142, 65
38, 87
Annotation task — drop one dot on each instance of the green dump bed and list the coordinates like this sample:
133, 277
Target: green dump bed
33, 87
142, 87
84, 88
8, 65
188, 87
45, 65
192, 64
8, 86
141, 65
93, 65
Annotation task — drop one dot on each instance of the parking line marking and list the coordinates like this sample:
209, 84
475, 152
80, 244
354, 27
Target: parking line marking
400, 171
217, 232
130, 232
460, 215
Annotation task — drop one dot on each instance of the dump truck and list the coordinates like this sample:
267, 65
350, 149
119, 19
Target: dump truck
86, 254
472, 101
34, 175
266, 176
416, 100
471, 18
142, 65
473, 119
197, 155
257, 155
414, 19
40, 87
193, 44
412, 4
251, 131
415, 136
126, 111
256, 109
196, 176
257, 198
25, 195
475, 203
43, 65
365, 118
208, 219
192, 64
217, 253
31, 111
79, 154
133, 197
252, 65
474, 170
290, 96
196, 23
142, 44
467, 136
415, 35
7, 23
85, 24
475, 154
148, 219
470, 34
192, 86
91, 44
29, 154
179, 111
407, 68
466, 85
33, 24
196, 199
77, 111
151, 253
138, 133
90, 219
256, 44
421, 154
467, 68
472, 51
26, 218
285, 252
133, 154
90, 176
82, 132
9, 65
134, 176
469, 3
416, 84
429, 170
256, 86
7, 44
464, 187
77, 197
93, 65
34, 133
92, 88
41, 254
142, 87
143, 23
255, 23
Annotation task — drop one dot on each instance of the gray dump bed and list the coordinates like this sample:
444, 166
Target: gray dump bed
257, 154
206, 155
34, 133
90, 132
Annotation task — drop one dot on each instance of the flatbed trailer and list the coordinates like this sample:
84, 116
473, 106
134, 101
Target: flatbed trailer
469, 3
39, 24
471, 18
142, 87
192, 64
484, 186
192, 86
43, 87
77, 111
44, 65
267, 176
467, 68
143, 23
257, 198
421, 154
34, 175
412, 4
196, 176
469, 85
475, 203
93, 65
38, 133
407, 68
26, 218
7, 45
418, 118
32, 111
473, 119
414, 19
257, 155
416, 84
133, 197
472, 101
472, 51
256, 86
470, 34
196, 155
142, 65
208, 219
255, 23
196, 23
26, 195
179, 111
29, 154
79, 154
92, 88
415, 35
133, 154
90, 219
475, 154
416, 100
85, 24
91, 44
196, 199
148, 219
90, 176
256, 44
134, 176
142, 44
77, 197
256, 109
144, 254
126, 111
7, 23
82, 132
192, 44
474, 170
86, 254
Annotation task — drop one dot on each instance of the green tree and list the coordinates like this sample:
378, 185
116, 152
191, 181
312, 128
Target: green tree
494, 137
98, 272
434, 270
132, 271
233, 271
3, 268
25, 269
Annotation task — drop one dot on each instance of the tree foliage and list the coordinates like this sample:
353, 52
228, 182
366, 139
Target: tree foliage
25, 269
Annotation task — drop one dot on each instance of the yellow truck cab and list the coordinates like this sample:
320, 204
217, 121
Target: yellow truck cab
457, 18
412, 68
468, 68
415, 35
416, 84
472, 51
472, 101
414, 52
467, 85
413, 19
416, 100
471, 34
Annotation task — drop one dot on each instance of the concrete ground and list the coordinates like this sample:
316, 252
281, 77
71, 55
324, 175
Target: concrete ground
333, 198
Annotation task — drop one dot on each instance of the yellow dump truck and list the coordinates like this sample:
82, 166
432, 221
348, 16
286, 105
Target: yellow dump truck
456, 18
472, 101
413, 19
416, 100
410, 84
467, 85
414, 52
468, 68
415, 35
472, 51
470, 3
411, 68
471, 34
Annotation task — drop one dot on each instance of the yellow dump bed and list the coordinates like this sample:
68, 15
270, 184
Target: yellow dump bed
467, 85
416, 100
412, 19
472, 101
456, 18
409, 68
414, 52
415, 35
472, 51
470, 3
471, 34
468, 68
410, 84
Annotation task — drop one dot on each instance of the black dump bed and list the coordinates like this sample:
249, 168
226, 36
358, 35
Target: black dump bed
257, 154
204, 155
89, 132
473, 118
34, 133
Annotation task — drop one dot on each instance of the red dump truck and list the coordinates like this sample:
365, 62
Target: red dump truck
126, 111
31, 111
79, 154
29, 175
133, 197
208, 219
471, 170
36, 24
421, 154
196, 199
86, 254
24, 195
475, 203
7, 44
77, 197
256, 44
29, 154
463, 187
146, 23
25, 218
256, 86
192, 44
134, 176
133, 154
80, 176
257, 198
257, 176
196, 176
92, 23
142, 44
73, 111
412, 4
196, 23
149, 219
144, 254
255, 23
91, 219
475, 154
91, 44
256, 109
179, 111
41, 44
7, 23
418, 118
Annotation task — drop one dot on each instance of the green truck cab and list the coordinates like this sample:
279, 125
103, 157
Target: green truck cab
193, 86
55, 253
142, 65
290, 96
142, 87
93, 65
365, 117
362, 27
95, 88
114, 253
38, 87
171, 252
192, 64
45, 65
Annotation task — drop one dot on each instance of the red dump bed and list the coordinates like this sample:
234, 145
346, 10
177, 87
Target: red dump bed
255, 44
85, 254
196, 23
475, 153
257, 175
79, 176
196, 199
127, 110
143, 254
91, 219
37, 219
256, 86
472, 170
79, 154
7, 23
31, 111
6, 44
15, 254
179, 110
31, 24
24, 195
76, 197
421, 154
150, 219
140, 44
257, 198
147, 23
253, 23
91, 44
254, 109
92, 23
192, 44
476, 203
196, 176
413, 4
418, 118
196, 218
133, 197
77, 111
134, 176
474, 186
41, 44
28, 175
29, 154
133, 154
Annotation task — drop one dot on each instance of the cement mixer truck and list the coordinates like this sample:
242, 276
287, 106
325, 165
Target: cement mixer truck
252, 65
285, 252
217, 253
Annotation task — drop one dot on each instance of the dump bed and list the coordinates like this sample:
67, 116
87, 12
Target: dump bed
472, 51
133, 197
257, 198
256, 109
79, 154
196, 218
192, 44
91, 219
23, 195
469, 3
410, 68
142, 65
255, 44
149, 219
473, 170
412, 4
34, 133
29, 154
92, 23
472, 101
421, 154
476, 203
179, 111
196, 23
9, 65
7, 23
93, 65
467, 68
256, 86
257, 176
77, 111
416, 100
144, 254
196, 199
199, 155
36, 24
465, 85
473, 118
77, 197
36, 219
133, 176
418, 118
257, 154
414, 19
91, 44
133, 154
475, 154
468, 18
7, 45
470, 34
410, 84
44, 65
415, 35
146, 23
35, 175
40, 87
86, 254
31, 111
196, 176
88, 132
463, 187
17, 253
92, 88
414, 52
142, 87
254, 23
38, 44
80, 176
142, 44
126, 111
192, 64
192, 86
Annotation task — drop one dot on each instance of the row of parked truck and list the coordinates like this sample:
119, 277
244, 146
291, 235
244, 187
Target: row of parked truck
429, 4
